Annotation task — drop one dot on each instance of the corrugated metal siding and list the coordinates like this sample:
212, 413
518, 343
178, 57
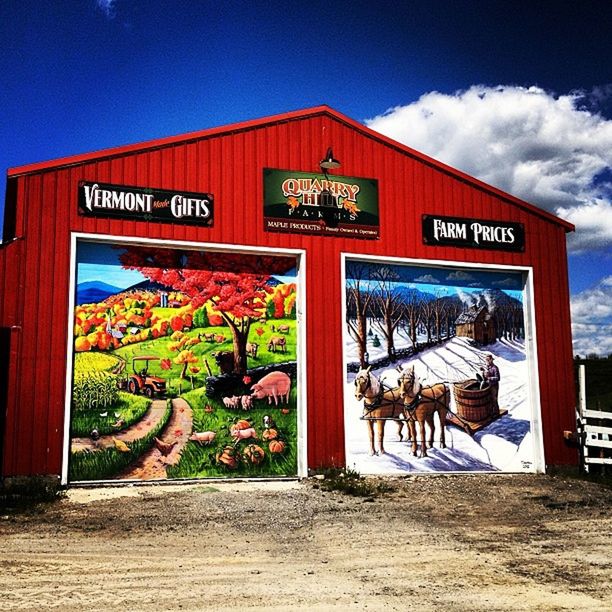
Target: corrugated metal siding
36, 279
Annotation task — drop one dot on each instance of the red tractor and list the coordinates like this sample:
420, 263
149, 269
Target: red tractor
142, 382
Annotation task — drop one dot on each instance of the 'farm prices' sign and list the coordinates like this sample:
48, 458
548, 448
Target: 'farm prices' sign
143, 204
305, 203
473, 233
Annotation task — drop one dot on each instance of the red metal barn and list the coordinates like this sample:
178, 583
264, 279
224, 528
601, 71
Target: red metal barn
258, 192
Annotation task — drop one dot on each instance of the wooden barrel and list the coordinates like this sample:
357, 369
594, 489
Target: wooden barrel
473, 403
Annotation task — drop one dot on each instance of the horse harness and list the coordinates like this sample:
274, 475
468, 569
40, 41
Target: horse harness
376, 402
419, 397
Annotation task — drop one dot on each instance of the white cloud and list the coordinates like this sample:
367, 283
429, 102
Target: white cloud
548, 150
108, 8
508, 282
427, 278
459, 275
593, 221
592, 319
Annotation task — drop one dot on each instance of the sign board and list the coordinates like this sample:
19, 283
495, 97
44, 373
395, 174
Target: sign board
473, 233
332, 205
144, 204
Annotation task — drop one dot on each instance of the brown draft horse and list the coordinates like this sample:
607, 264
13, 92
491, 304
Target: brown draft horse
378, 406
420, 405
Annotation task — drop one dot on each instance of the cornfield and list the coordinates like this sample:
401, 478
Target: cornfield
94, 390
94, 362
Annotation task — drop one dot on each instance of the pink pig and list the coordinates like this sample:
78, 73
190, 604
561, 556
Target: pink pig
203, 437
273, 385
243, 434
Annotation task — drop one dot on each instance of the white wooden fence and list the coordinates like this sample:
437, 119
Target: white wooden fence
594, 428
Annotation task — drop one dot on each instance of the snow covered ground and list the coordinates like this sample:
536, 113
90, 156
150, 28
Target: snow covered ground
507, 444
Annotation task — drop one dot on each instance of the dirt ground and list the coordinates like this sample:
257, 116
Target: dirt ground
450, 543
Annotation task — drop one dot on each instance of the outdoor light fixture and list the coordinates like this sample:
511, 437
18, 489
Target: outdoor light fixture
329, 162
327, 201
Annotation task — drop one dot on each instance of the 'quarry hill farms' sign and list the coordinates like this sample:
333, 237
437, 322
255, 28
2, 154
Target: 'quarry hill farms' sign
144, 204
301, 202
473, 233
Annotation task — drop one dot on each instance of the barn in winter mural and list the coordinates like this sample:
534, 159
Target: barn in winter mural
437, 373
184, 364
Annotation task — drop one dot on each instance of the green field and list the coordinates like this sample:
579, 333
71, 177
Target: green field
198, 461
108, 462
159, 347
129, 409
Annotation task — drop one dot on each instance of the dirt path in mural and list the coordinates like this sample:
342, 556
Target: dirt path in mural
149, 421
455, 543
152, 465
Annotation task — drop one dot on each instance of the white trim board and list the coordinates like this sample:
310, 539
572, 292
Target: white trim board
533, 390
300, 256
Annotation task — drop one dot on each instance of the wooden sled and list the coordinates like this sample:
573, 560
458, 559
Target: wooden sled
474, 406
471, 427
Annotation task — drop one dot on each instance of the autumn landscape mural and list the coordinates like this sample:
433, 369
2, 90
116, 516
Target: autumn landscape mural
185, 364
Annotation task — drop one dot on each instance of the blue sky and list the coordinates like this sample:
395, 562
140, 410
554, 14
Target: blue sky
516, 93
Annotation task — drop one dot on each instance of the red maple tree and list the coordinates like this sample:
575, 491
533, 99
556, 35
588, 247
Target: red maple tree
236, 284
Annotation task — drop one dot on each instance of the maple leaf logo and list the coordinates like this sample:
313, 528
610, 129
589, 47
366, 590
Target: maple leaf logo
351, 207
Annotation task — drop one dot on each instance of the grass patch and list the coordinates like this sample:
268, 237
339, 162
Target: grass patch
108, 462
199, 461
17, 493
350, 482
129, 408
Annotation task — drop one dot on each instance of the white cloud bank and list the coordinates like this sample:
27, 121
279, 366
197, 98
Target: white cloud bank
548, 150
592, 319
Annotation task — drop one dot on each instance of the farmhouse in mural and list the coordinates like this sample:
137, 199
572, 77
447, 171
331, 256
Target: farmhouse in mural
477, 324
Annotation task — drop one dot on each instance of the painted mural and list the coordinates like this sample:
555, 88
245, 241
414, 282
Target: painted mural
185, 364
437, 373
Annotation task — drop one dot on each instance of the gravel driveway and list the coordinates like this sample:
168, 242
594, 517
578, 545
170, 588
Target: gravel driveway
450, 543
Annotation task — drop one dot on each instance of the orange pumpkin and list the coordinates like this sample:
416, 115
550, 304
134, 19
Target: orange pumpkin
241, 424
269, 434
276, 446
254, 454
227, 457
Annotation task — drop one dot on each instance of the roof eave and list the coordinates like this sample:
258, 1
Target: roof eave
157, 143
290, 116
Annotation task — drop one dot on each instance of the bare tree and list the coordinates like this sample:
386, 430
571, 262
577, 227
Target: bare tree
427, 318
518, 320
358, 299
387, 306
411, 315
438, 312
452, 312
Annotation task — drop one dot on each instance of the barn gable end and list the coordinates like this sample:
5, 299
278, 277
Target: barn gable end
228, 162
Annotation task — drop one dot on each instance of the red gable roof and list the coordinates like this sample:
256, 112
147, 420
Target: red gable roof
285, 117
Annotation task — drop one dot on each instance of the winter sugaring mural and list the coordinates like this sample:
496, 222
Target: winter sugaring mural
437, 374
184, 364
